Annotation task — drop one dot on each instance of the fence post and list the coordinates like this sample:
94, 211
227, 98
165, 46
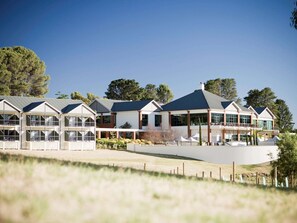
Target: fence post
230, 178
256, 178
210, 175
220, 173
202, 174
287, 182
177, 170
183, 169
144, 166
233, 171
275, 176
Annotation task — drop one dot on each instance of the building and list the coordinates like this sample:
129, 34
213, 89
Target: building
46, 124
220, 119
114, 114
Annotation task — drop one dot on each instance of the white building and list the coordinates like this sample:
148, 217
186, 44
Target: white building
46, 124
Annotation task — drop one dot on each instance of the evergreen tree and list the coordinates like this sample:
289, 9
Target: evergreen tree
150, 92
294, 17
22, 73
225, 88
284, 117
164, 94
124, 89
287, 156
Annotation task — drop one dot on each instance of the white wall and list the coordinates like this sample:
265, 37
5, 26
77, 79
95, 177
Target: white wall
244, 155
127, 116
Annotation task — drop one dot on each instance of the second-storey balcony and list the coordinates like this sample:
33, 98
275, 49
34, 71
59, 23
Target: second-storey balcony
36, 120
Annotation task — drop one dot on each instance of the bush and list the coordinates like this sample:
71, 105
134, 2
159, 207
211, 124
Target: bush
119, 144
287, 156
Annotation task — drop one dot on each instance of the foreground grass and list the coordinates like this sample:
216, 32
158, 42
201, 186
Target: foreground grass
45, 190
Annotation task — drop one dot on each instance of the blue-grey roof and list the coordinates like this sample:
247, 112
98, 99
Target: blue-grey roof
103, 105
28, 103
259, 110
199, 99
130, 105
32, 106
70, 107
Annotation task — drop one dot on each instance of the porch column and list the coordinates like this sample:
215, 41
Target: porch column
208, 126
99, 134
189, 124
169, 121
107, 135
140, 119
225, 118
134, 135
101, 119
112, 120
117, 134
223, 134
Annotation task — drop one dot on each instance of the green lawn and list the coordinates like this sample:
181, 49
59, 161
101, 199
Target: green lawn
46, 190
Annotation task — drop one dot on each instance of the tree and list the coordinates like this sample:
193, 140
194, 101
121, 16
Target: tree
77, 96
294, 17
225, 88
22, 73
150, 92
261, 98
61, 95
91, 97
284, 116
286, 162
122, 89
164, 94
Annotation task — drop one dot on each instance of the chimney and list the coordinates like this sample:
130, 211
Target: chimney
202, 86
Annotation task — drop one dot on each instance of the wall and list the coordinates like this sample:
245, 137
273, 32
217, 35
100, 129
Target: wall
241, 155
128, 116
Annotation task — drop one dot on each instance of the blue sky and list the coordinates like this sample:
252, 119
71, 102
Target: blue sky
87, 44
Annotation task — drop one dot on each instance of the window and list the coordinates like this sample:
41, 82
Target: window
179, 120
73, 136
144, 120
267, 125
89, 122
231, 119
73, 121
9, 135
6, 119
217, 118
245, 120
158, 120
38, 135
40, 120
195, 118
89, 136
106, 119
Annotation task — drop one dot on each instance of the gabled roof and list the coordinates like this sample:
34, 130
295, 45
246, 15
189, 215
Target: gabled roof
5, 101
103, 105
70, 107
22, 102
259, 110
132, 105
199, 99
32, 106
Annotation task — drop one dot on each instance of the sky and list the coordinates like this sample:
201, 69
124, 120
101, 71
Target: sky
87, 44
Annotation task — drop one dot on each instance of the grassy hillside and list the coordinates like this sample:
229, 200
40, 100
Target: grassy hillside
45, 190
153, 163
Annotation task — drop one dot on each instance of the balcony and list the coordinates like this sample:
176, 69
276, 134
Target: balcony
9, 122
42, 123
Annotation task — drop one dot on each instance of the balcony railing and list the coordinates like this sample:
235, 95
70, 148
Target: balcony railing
9, 122
43, 123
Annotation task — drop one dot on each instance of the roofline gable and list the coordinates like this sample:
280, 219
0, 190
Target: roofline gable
46, 103
16, 108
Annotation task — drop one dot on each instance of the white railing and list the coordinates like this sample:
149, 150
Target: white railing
9, 145
80, 145
43, 145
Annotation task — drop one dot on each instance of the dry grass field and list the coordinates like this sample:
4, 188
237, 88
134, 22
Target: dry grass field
44, 190
153, 163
